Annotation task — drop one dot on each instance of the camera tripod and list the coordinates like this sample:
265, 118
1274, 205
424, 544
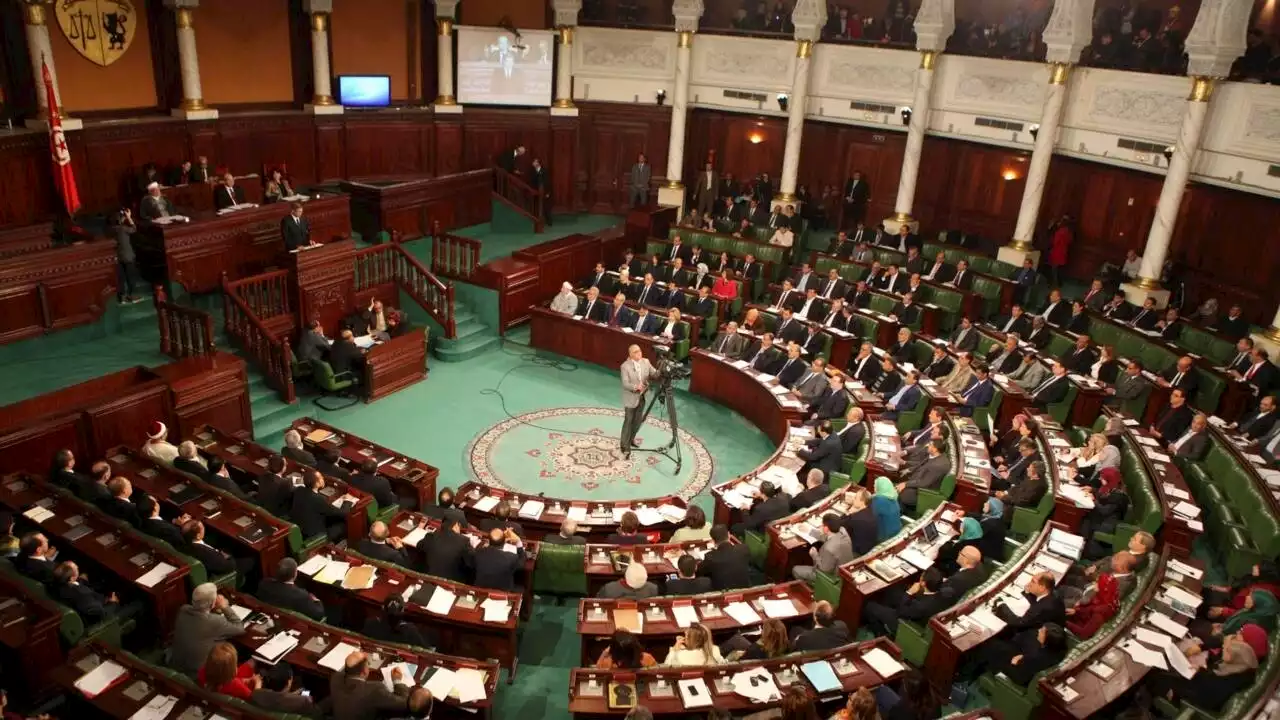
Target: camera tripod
666, 395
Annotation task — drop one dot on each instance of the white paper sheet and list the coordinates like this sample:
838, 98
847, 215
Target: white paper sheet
694, 693
156, 574
100, 678
496, 610
469, 684
415, 536
987, 619
440, 684
882, 662
486, 503
1178, 661
313, 565
333, 572
1166, 623
441, 601
743, 613
1145, 656
779, 607
532, 509
272, 650
685, 615
407, 675
336, 658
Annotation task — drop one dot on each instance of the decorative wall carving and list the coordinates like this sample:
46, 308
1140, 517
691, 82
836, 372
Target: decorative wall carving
875, 77
624, 53
1263, 124
1137, 106
999, 89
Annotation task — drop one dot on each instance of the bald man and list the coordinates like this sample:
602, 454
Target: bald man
970, 573
379, 547
356, 697
637, 373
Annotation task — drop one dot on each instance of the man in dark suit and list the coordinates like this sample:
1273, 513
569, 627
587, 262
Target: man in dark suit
1046, 607
599, 278
937, 271
1182, 376
1040, 335
860, 296
970, 573
648, 292
827, 632
1079, 321
275, 492
763, 356
826, 457
965, 336
893, 281
1243, 360
789, 329
771, 503
278, 695
1169, 327
833, 404
1005, 358
804, 278
1082, 357
354, 696
540, 181
644, 322
963, 279
1254, 424
1129, 385
788, 296
592, 307
940, 363
729, 342
865, 367
927, 476
813, 342
328, 460
1233, 325
980, 391
835, 316
188, 461
1194, 443
1173, 422
312, 344
905, 398
380, 547
375, 484
857, 193
89, 604
567, 535
509, 159
313, 513
120, 505
227, 194
448, 552
701, 305
1147, 317
618, 314
156, 526
815, 487
793, 368
213, 559
926, 597
35, 558
1096, 297
1017, 322
728, 564
813, 307
63, 473
907, 312
495, 568
282, 591
1117, 308
1054, 390
295, 230
346, 357
751, 269
1024, 278
840, 246
1261, 374
686, 581
1058, 310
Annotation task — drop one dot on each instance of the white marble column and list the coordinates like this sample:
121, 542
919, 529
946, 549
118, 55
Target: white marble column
322, 94
563, 104
795, 124
445, 102
916, 128
36, 18
1038, 172
673, 192
192, 106
1175, 184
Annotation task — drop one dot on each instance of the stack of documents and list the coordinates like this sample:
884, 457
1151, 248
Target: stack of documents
532, 509
468, 685
685, 615
407, 674
334, 571
486, 503
441, 601
883, 663
672, 513
156, 574
100, 678
313, 565
649, 516
38, 514
496, 610
359, 578
277, 647
779, 607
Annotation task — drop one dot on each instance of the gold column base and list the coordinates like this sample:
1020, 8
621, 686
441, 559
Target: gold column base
1146, 283
1021, 245
322, 100
192, 104
784, 197
675, 185
445, 100
1272, 333
903, 217
563, 103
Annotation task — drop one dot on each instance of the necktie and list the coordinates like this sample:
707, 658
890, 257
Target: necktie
830, 319
587, 314
675, 250
958, 276
782, 301
1044, 385
1176, 379
724, 341
639, 323
1239, 359
643, 292
858, 238
969, 392
1140, 316
783, 326
1252, 370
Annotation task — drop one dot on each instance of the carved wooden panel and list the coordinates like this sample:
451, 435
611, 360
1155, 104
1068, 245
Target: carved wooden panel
448, 146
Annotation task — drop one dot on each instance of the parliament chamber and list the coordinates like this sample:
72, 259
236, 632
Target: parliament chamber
940, 337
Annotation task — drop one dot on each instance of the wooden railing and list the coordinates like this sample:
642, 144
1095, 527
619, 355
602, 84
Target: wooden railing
520, 195
390, 263
265, 295
272, 355
184, 332
453, 256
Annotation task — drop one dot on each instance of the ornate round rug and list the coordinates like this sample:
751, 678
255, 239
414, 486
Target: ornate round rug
573, 452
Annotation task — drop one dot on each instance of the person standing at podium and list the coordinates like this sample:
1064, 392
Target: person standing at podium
295, 230
227, 194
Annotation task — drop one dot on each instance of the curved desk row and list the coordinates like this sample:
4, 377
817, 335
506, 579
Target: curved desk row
541, 516
408, 477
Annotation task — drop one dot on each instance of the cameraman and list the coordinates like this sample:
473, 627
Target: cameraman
122, 228
637, 373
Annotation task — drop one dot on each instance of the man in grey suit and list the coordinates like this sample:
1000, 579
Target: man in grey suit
637, 373
1130, 385
356, 697
812, 385
207, 621
927, 477
313, 344
836, 550
638, 182
705, 191
729, 343
1194, 443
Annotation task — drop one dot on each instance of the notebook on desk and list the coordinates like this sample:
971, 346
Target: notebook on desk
182, 493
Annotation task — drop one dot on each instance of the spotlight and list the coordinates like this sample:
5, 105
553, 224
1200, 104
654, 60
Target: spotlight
1035, 131
1168, 153
906, 115
662, 97
782, 101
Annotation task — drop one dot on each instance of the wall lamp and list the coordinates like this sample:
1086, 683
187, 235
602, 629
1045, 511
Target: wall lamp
782, 101
662, 97
1035, 131
906, 115
1168, 153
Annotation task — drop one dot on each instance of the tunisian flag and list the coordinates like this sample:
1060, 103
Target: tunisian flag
63, 175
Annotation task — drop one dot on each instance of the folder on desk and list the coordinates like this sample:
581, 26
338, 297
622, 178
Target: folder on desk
359, 578
277, 647
821, 676
336, 658
628, 619
101, 678
156, 574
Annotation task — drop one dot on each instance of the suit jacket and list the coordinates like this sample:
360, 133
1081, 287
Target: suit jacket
296, 232
377, 486
285, 703
1129, 387
922, 606
1195, 447
851, 437
978, 394
559, 539
1010, 362
768, 510
688, 586
1051, 391
383, 552
1021, 325
792, 330
1039, 337
1234, 328
791, 371
728, 566
832, 290
809, 496
962, 280
900, 352
1145, 319
290, 597
191, 467
1189, 382
311, 512
966, 340
213, 559
1119, 313
803, 282
152, 208
88, 603
357, 699
857, 193
638, 179
299, 455
906, 315
820, 638
1049, 609
275, 494
927, 476
832, 405
894, 284
496, 568
765, 360
1171, 332
965, 580
344, 356
39, 570
120, 510
863, 530
224, 197
859, 299
837, 550
1058, 313
1095, 300
827, 456
1080, 361
448, 555
635, 375
1026, 493
910, 396
652, 295
597, 311
941, 272
938, 367
1173, 422
164, 530
311, 345
867, 370
701, 307
730, 345
1256, 424
619, 316
1078, 324
194, 635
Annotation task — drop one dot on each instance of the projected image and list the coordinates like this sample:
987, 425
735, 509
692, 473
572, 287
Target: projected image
499, 67
364, 90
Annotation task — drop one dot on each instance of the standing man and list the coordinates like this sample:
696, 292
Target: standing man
638, 182
705, 193
295, 230
857, 193
123, 228
637, 372
541, 182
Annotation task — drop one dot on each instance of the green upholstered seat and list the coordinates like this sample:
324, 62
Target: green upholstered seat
559, 570
912, 419
1061, 410
927, 500
71, 627
826, 587
758, 546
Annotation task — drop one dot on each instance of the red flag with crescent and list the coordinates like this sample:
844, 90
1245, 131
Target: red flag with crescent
63, 176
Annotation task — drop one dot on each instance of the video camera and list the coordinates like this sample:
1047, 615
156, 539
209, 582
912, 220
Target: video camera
668, 369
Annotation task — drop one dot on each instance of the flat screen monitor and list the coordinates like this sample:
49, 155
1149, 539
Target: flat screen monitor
364, 90
498, 67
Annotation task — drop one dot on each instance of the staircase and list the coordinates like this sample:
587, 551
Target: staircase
473, 337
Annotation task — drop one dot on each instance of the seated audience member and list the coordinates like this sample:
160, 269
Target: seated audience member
392, 627
827, 632
994, 529
725, 288
354, 694
381, 547
925, 598
1118, 308
92, 606
824, 458
190, 462
927, 476
1096, 455
120, 505
207, 620
969, 534
1054, 389
313, 512
624, 653
1106, 367
1032, 652
628, 531
329, 463
1258, 423
1027, 492
961, 376
1223, 670
279, 695
277, 188
220, 477
1102, 598
226, 194
156, 526
1146, 317
940, 364
686, 581
157, 447
816, 488
1046, 606
448, 552
155, 206
693, 527
502, 519
914, 698
969, 572
444, 507
772, 643
905, 399
496, 568
1233, 325
567, 534
771, 503
693, 648
837, 548
1194, 443
729, 342
312, 345
728, 564
1110, 503
397, 324
887, 510
1181, 376
565, 302
1040, 334
36, 556
783, 237
294, 450
633, 585
275, 491
1169, 326
1129, 385
224, 673
62, 471
861, 705
369, 480
282, 590
214, 560
1223, 601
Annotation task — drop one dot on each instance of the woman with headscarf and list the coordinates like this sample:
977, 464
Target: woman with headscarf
1088, 615
1096, 455
970, 533
1260, 608
1110, 503
885, 505
1224, 670
993, 529
1224, 601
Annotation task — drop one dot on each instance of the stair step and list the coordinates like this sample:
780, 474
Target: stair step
461, 314
462, 332
464, 349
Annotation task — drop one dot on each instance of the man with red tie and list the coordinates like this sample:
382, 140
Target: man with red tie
1096, 298
1261, 373
618, 313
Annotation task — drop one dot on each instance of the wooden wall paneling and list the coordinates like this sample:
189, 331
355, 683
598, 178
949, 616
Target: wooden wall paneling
55, 289
611, 137
448, 146
487, 133
219, 398
562, 164
108, 159
26, 184
203, 140
426, 148
380, 148
116, 421
251, 143
31, 447
330, 159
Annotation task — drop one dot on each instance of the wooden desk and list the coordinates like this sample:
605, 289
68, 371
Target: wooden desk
1094, 693
945, 650
110, 545
601, 519
198, 197
788, 547
587, 341
241, 243
404, 522
844, 345
858, 580
659, 627
409, 477
562, 259
1090, 394
395, 364
588, 687
463, 631
223, 514
29, 635
113, 702
1170, 487
307, 661
971, 303
55, 288
408, 206
1050, 441
659, 559
884, 451
718, 379
971, 462
247, 461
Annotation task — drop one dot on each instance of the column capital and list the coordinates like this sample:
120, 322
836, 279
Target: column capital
566, 12
1218, 37
35, 12
446, 8
687, 14
935, 22
313, 7
1069, 30
809, 17
1201, 89
566, 34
